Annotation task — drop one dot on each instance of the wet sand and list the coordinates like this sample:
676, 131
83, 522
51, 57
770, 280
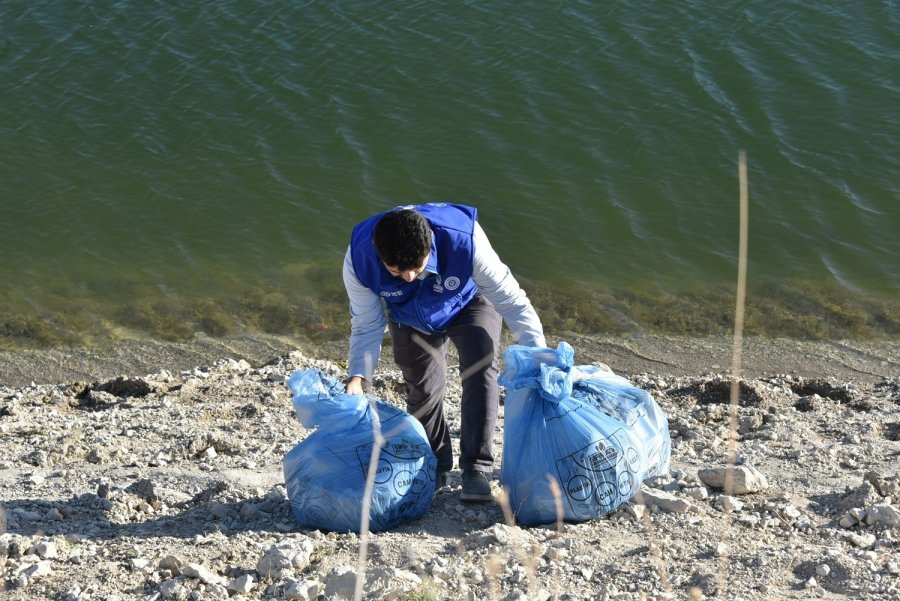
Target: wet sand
843, 360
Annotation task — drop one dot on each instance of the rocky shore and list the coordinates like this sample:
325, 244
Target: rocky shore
166, 483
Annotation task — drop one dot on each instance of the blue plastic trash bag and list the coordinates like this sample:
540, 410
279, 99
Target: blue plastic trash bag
325, 474
589, 430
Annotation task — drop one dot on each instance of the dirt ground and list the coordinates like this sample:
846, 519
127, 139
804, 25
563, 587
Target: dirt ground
153, 471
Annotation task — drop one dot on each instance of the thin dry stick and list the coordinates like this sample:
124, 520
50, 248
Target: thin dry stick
493, 573
735, 363
367, 502
373, 466
502, 499
558, 506
2, 531
557, 503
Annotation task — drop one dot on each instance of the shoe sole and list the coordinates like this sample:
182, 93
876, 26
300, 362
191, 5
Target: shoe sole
475, 497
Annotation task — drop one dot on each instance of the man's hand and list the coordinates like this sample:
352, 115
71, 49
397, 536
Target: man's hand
355, 385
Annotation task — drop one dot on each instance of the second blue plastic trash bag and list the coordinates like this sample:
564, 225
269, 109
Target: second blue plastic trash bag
592, 432
325, 474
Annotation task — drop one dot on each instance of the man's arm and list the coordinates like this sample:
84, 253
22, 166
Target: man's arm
497, 283
367, 323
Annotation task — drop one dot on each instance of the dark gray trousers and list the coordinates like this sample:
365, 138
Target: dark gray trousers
475, 332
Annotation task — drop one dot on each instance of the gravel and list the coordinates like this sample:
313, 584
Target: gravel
169, 486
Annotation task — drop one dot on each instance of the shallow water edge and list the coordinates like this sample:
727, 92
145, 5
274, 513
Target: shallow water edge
98, 314
665, 355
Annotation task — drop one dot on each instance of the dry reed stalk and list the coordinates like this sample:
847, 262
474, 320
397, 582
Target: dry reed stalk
735, 363
502, 499
367, 494
492, 566
2, 531
367, 502
558, 506
373, 465
557, 503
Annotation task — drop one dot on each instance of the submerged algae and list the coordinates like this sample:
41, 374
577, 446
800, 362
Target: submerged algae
310, 301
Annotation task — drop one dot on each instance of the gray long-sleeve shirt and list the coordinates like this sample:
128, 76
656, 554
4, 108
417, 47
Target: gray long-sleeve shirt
494, 280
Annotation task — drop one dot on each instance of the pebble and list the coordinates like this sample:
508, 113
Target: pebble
171, 589
170, 563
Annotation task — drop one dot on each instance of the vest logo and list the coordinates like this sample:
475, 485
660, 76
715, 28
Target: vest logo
437, 284
391, 293
451, 283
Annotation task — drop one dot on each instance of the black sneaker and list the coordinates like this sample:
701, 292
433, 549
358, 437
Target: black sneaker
475, 487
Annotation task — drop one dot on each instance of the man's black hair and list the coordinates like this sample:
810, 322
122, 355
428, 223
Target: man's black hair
402, 239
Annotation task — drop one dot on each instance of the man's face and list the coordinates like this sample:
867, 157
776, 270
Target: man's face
409, 274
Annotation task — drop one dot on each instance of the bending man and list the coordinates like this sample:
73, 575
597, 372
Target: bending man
434, 269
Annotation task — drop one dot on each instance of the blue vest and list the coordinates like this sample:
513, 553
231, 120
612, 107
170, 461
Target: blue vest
431, 302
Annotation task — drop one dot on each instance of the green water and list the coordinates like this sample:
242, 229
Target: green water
169, 170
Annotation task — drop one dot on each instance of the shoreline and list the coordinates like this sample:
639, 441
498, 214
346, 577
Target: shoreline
630, 354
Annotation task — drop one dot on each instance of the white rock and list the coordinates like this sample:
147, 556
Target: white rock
667, 502
241, 584
502, 534
305, 590
285, 557
848, 522
729, 503
196, 570
72, 594
631, 511
47, 550
883, 514
696, 492
823, 570
37, 570
745, 479
217, 591
341, 582
863, 541
857, 513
